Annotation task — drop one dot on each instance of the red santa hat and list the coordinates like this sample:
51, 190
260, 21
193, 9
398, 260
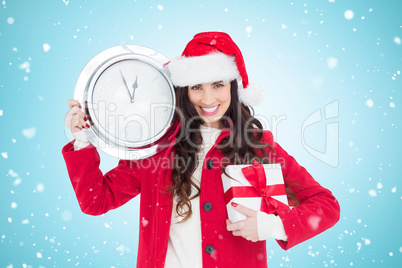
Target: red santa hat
211, 57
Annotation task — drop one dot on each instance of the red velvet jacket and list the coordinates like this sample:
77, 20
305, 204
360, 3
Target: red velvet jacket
98, 193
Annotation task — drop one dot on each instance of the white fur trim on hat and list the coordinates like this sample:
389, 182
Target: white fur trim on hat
250, 96
187, 71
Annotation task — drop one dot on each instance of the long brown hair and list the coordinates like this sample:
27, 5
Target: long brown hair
241, 147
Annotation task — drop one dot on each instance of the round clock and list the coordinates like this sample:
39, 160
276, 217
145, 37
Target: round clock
129, 100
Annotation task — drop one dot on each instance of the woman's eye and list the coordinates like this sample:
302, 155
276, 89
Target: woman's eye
196, 88
218, 85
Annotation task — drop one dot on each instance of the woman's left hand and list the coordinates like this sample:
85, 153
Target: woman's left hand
247, 228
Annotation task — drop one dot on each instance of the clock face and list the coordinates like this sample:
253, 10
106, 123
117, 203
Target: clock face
129, 99
131, 102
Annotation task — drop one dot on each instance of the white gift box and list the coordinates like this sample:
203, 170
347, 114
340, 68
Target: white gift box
273, 174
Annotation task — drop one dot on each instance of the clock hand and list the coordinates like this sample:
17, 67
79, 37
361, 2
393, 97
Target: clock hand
135, 86
125, 83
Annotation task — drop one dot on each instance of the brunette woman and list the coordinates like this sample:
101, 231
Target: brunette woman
184, 222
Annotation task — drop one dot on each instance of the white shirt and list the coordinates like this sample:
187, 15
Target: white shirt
184, 246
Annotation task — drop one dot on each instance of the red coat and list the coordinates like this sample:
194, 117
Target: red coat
98, 193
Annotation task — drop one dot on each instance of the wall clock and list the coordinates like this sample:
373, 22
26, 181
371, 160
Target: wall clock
129, 99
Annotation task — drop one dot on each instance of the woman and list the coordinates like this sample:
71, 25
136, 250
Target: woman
183, 215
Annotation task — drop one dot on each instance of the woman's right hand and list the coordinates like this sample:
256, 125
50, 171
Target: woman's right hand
75, 118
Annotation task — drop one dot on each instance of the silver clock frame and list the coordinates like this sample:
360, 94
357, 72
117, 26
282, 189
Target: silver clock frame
83, 93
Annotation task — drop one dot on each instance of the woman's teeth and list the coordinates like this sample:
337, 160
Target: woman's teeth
210, 110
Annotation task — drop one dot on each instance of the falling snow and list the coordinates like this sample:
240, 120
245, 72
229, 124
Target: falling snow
123, 249
348, 14
314, 222
46, 47
40, 188
25, 66
66, 215
369, 103
29, 133
144, 222
249, 29
332, 62
12, 173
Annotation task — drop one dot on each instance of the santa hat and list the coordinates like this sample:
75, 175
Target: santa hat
211, 57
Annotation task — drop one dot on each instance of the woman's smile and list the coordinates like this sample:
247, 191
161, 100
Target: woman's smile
210, 110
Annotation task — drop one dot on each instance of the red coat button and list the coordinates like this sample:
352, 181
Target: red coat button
210, 164
209, 249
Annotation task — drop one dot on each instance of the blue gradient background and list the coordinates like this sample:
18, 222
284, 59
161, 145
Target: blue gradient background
45, 227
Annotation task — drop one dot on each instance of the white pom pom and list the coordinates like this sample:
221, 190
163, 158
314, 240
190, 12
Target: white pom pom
252, 95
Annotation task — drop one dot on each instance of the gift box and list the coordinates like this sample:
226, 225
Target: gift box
259, 187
